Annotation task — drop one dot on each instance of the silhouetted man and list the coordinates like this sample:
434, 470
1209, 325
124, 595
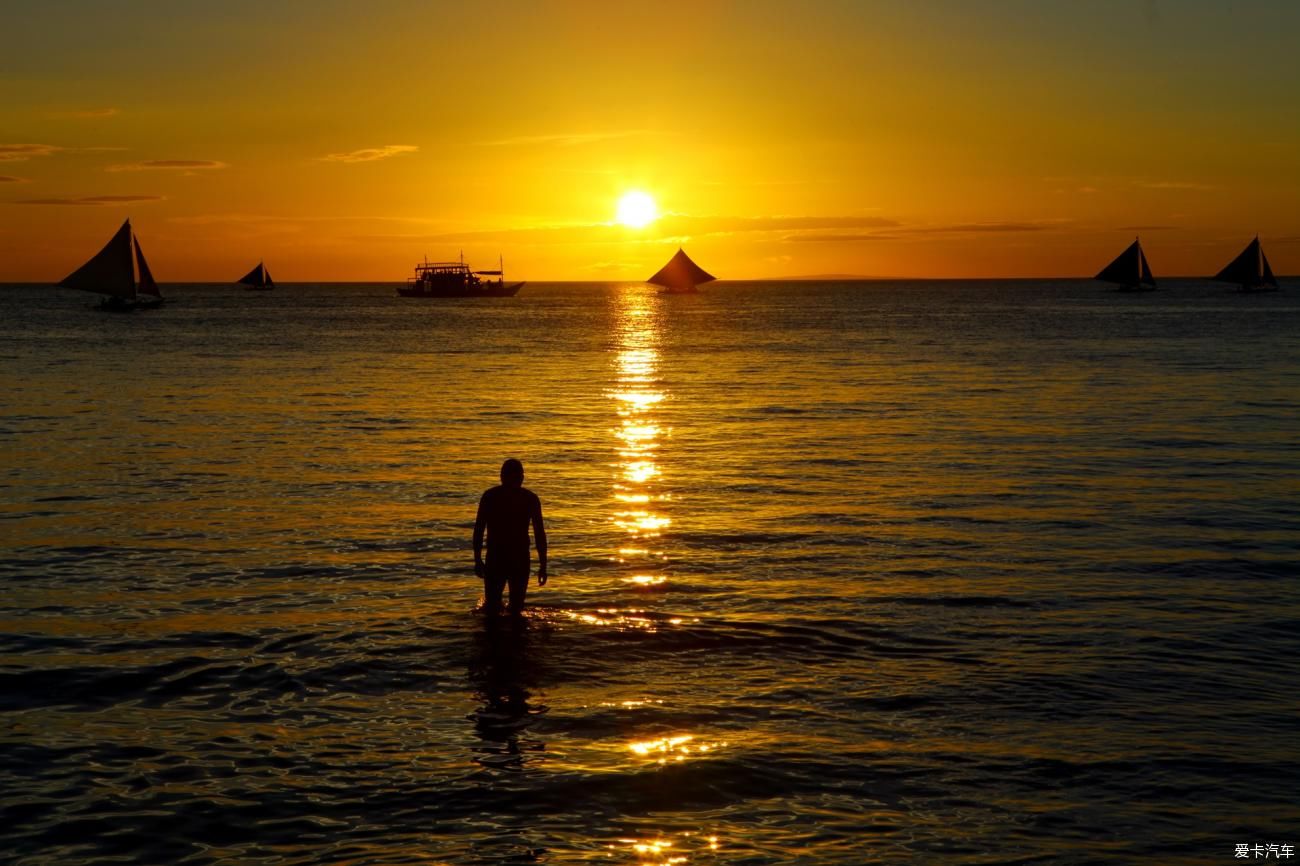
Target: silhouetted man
505, 513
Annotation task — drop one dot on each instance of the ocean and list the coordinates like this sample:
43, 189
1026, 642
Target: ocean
841, 573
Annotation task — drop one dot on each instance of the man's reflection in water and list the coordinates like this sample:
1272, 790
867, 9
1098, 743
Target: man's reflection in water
502, 672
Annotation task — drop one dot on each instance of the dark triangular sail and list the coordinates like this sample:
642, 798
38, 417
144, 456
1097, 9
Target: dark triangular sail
1130, 268
256, 277
110, 271
270, 283
1249, 270
147, 284
681, 273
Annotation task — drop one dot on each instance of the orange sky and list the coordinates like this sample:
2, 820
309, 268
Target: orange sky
344, 141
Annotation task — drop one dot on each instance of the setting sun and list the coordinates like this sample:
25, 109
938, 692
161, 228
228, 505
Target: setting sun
637, 209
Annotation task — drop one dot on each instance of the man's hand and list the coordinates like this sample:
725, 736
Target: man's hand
478, 568
541, 576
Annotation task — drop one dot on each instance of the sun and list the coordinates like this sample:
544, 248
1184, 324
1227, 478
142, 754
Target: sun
637, 209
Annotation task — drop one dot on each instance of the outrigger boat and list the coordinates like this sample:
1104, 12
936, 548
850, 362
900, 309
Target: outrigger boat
113, 274
258, 279
1130, 271
681, 275
457, 280
1250, 270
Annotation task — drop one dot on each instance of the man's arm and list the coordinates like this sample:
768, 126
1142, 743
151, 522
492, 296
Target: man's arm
480, 522
539, 537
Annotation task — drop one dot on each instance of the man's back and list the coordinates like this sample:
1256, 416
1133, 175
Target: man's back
505, 513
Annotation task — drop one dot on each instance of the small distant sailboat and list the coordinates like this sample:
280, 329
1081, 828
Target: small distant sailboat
1130, 271
681, 275
258, 279
1250, 270
113, 271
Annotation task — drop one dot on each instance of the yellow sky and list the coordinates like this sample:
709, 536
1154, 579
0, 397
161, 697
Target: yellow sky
345, 141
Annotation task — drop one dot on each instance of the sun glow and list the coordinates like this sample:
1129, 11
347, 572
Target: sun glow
637, 210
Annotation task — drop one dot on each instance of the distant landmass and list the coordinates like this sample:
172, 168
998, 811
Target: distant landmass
811, 277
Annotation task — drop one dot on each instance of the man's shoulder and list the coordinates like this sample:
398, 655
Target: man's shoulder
490, 493
530, 495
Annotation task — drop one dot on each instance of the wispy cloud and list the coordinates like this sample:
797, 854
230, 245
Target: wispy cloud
250, 218
900, 232
967, 228
568, 139
855, 237
1146, 228
23, 152
85, 114
168, 165
672, 227
681, 224
1175, 184
370, 154
8, 178
93, 200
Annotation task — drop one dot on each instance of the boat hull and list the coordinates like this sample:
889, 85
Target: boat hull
505, 291
114, 304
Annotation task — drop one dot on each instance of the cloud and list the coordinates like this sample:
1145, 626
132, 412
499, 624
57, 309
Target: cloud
248, 218
7, 178
93, 200
731, 225
568, 139
85, 114
612, 267
897, 232
840, 238
671, 227
966, 228
23, 152
370, 154
1146, 228
1175, 184
167, 164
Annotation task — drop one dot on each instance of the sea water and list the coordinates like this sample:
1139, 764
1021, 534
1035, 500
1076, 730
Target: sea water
841, 573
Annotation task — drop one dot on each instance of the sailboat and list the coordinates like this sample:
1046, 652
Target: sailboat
1130, 270
681, 275
1250, 270
112, 272
258, 279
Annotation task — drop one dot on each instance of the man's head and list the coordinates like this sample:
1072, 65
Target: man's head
512, 473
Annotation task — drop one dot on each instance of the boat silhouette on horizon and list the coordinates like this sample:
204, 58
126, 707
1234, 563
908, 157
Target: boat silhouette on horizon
258, 279
1249, 270
680, 276
124, 280
1130, 271
457, 280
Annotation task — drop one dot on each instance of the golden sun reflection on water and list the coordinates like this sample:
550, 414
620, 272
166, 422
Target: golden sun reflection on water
677, 748
661, 851
624, 619
637, 393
